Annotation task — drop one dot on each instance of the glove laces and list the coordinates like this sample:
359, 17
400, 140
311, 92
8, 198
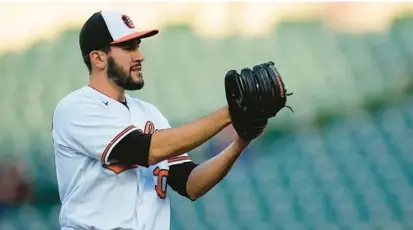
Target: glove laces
289, 94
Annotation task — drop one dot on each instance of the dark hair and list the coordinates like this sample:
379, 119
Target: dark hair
86, 58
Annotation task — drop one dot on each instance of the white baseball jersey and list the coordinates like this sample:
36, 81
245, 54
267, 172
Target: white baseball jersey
99, 194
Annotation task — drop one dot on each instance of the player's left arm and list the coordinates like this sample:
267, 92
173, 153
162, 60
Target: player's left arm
194, 180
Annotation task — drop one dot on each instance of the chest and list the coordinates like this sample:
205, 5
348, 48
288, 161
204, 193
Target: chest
140, 116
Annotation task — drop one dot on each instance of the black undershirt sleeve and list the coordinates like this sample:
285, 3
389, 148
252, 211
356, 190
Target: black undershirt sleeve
178, 176
132, 149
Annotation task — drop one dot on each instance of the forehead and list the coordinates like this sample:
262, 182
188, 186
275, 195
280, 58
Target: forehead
128, 44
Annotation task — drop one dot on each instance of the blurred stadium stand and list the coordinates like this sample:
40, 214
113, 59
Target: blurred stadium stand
343, 160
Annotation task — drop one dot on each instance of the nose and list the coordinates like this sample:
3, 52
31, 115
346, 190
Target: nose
138, 56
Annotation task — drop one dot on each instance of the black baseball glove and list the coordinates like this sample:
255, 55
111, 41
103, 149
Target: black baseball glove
254, 96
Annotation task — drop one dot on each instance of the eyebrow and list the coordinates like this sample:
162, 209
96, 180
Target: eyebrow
129, 44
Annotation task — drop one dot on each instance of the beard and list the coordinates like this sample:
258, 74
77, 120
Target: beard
121, 77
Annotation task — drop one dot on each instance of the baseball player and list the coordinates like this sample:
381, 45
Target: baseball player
116, 155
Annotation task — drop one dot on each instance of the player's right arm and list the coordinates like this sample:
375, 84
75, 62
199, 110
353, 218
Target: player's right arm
89, 128
170, 142
175, 141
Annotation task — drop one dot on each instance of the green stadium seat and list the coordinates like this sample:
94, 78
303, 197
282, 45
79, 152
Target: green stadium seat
8, 225
327, 226
400, 33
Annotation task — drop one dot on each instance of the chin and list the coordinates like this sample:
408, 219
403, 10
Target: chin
140, 81
137, 77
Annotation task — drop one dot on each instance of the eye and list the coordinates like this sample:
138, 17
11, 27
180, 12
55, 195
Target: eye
129, 45
130, 48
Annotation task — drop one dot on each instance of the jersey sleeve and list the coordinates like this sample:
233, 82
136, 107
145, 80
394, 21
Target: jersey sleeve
89, 129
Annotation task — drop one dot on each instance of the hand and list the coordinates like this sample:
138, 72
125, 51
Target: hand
256, 128
249, 130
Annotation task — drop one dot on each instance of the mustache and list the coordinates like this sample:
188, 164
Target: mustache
136, 66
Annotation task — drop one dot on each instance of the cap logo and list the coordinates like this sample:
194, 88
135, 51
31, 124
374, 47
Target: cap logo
128, 22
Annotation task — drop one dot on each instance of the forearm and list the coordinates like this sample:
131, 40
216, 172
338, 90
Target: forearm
208, 174
176, 141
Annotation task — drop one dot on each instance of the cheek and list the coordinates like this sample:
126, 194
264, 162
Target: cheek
124, 63
123, 60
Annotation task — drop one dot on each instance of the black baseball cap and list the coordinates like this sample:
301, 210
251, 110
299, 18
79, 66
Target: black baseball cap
104, 28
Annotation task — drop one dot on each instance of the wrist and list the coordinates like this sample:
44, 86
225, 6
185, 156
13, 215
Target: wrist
241, 143
224, 112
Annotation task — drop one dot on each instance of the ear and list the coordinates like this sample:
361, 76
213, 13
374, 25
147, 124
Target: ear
98, 59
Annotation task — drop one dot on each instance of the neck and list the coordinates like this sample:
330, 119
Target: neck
106, 86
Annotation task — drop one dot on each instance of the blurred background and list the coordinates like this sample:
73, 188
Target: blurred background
343, 160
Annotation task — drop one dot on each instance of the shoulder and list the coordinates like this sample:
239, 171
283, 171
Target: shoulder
146, 106
150, 108
76, 103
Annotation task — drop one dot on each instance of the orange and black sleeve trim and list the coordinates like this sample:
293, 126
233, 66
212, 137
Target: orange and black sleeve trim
179, 158
129, 147
114, 141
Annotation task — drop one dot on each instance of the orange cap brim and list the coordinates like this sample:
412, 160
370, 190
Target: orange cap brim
140, 34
